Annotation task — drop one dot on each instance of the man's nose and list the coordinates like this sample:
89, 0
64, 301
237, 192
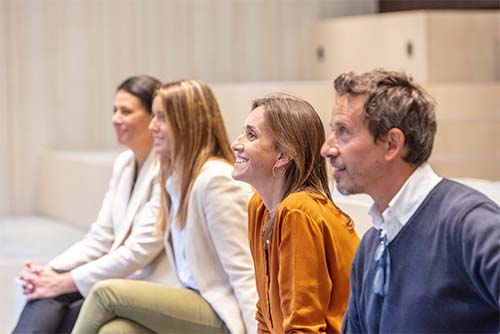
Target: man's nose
330, 148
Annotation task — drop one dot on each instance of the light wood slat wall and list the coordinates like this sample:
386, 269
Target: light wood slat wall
62, 59
5, 185
434, 46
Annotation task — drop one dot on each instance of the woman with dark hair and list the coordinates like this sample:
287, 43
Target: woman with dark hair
301, 243
204, 221
121, 242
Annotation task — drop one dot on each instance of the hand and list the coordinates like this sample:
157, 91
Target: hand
44, 282
29, 272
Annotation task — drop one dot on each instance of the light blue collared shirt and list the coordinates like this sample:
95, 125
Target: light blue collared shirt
404, 204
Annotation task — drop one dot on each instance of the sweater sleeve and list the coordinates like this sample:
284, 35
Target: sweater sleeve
480, 250
304, 283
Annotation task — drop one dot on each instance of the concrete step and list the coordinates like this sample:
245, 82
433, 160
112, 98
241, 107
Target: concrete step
72, 184
32, 237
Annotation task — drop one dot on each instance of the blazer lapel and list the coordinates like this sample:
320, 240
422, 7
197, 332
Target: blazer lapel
139, 195
122, 194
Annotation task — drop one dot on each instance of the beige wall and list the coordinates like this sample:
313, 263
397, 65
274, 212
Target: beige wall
5, 186
446, 46
235, 99
60, 61
467, 142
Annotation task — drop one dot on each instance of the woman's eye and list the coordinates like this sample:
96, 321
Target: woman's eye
159, 116
251, 135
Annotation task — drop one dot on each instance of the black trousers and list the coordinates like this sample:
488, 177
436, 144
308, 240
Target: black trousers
50, 315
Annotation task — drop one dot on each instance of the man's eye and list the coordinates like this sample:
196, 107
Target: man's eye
342, 131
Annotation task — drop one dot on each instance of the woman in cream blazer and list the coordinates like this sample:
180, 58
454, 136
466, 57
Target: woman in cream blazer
205, 233
121, 242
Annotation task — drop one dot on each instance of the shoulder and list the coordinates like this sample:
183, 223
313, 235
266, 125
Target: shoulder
215, 168
463, 216
315, 212
256, 201
215, 177
465, 204
457, 200
123, 159
304, 201
454, 191
256, 208
318, 207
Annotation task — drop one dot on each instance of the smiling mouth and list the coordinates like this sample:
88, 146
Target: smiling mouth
120, 133
240, 160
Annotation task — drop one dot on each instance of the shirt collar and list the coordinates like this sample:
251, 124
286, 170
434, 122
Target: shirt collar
407, 200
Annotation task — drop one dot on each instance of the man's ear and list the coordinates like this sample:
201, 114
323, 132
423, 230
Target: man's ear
283, 160
394, 144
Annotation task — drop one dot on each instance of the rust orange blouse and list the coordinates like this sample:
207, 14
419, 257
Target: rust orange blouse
302, 276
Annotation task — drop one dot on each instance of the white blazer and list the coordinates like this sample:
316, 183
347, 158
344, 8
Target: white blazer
217, 251
122, 242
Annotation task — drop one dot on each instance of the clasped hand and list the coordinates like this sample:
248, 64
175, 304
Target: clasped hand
43, 282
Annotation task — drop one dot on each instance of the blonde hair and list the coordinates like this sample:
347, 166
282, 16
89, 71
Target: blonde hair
199, 135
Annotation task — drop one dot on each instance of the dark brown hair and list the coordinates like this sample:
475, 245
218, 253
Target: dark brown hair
296, 129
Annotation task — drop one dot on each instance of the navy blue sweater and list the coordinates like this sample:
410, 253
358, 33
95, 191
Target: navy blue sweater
445, 269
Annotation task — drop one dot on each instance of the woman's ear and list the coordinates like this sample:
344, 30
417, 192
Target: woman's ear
283, 160
394, 144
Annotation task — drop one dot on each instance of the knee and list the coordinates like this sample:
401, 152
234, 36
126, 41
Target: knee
107, 289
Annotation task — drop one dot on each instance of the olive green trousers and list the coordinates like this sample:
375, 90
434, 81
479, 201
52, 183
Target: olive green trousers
128, 306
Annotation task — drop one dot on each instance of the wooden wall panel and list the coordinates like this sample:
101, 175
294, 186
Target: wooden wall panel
5, 184
463, 46
62, 59
366, 42
30, 99
434, 46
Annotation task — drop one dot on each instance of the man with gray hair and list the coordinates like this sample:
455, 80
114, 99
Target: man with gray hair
431, 263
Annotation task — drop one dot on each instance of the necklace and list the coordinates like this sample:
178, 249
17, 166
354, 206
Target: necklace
270, 224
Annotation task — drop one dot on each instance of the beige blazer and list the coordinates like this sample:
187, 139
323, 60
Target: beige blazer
218, 254
121, 242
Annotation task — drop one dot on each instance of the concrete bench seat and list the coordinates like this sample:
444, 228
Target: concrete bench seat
32, 237
72, 184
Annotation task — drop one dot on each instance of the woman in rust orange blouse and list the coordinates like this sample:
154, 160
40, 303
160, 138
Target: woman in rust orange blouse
302, 244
